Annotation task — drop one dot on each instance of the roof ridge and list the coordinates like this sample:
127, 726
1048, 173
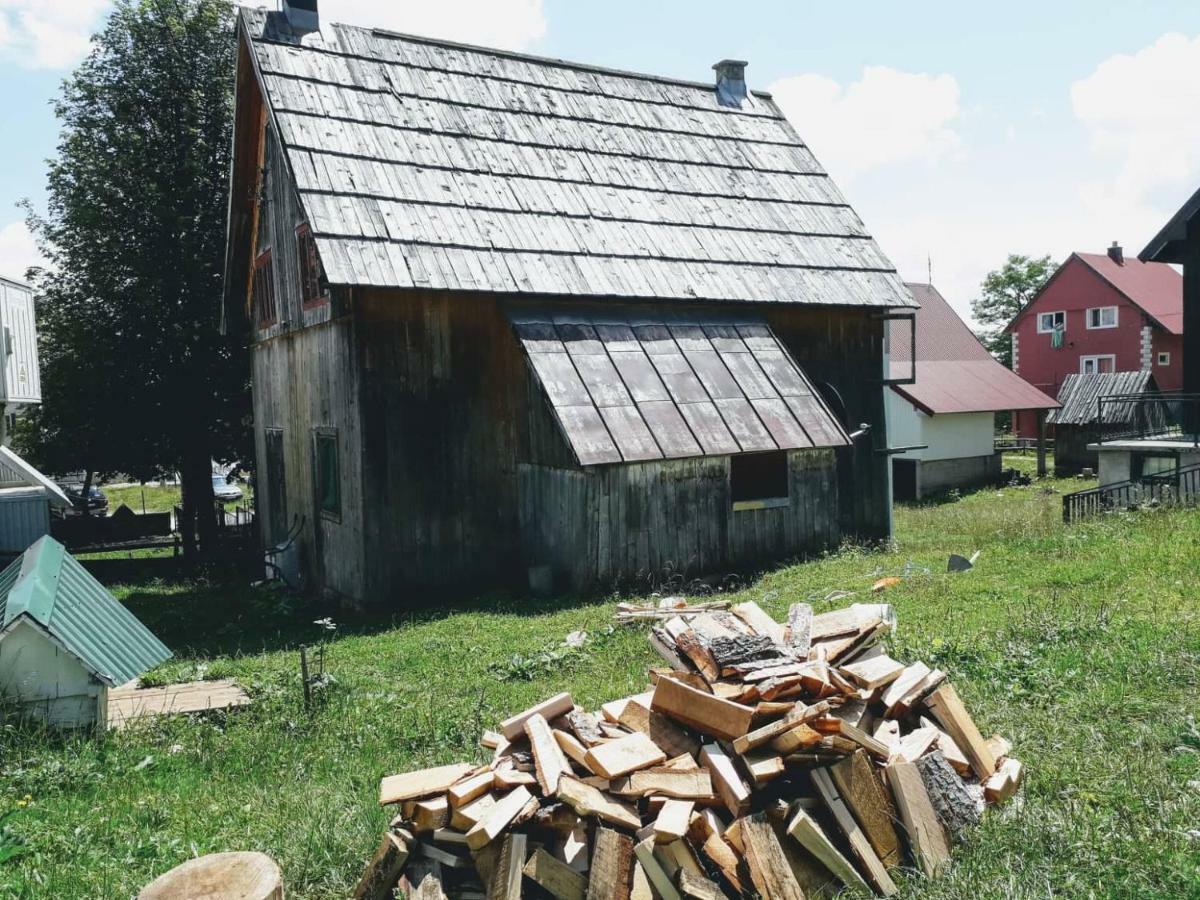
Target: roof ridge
36, 588
554, 61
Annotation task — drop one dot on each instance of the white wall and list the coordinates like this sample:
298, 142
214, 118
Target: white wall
19, 363
46, 681
948, 436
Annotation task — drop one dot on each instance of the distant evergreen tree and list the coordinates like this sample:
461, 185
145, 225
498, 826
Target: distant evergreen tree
137, 377
1003, 294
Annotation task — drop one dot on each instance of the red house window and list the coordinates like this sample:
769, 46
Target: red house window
264, 290
314, 289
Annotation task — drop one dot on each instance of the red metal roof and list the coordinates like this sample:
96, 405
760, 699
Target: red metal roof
1155, 287
955, 373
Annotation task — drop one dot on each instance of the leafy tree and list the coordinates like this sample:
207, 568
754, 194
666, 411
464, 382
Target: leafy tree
1003, 294
137, 376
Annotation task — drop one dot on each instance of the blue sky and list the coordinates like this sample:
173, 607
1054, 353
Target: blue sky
959, 135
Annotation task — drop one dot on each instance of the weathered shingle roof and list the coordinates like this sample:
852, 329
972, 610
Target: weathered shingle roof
627, 387
427, 164
955, 373
1079, 394
51, 588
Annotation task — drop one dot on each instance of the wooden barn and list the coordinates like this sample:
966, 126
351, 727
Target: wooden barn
514, 318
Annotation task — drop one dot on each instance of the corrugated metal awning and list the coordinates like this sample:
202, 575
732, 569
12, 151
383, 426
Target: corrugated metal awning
633, 388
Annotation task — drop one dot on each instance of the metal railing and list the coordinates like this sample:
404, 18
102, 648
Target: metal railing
1020, 444
1178, 488
1149, 415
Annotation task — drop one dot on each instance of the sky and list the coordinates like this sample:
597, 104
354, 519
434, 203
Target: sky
960, 133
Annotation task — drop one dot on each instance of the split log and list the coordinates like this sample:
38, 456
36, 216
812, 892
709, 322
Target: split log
812, 837
589, 801
1005, 782
948, 709
951, 801
620, 757
422, 783
864, 794
876, 872
655, 873
584, 726
706, 713
551, 762
729, 651
612, 866
556, 878
252, 876
799, 629
505, 882
383, 871
926, 834
769, 868
734, 792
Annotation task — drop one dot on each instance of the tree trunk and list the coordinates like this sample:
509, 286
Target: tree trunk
87, 489
198, 502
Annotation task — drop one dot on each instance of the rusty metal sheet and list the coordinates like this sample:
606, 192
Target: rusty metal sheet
630, 433
713, 375
783, 373
559, 379
778, 419
587, 435
814, 418
602, 381
749, 376
709, 428
670, 430
745, 425
538, 337
679, 378
639, 376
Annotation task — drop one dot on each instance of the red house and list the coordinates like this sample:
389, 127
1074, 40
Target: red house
1100, 313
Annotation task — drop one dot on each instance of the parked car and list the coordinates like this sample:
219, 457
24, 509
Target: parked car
96, 501
224, 491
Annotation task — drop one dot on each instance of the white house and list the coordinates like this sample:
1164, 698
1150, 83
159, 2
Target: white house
65, 640
947, 417
20, 378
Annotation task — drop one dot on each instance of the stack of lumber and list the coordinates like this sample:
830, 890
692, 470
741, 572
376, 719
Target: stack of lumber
783, 760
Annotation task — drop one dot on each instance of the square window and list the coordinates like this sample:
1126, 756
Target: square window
758, 480
329, 483
1164, 359
1102, 317
1094, 365
1051, 321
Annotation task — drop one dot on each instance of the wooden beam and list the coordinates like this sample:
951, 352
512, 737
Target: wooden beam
548, 757
612, 866
706, 713
769, 867
876, 872
734, 792
556, 878
864, 795
1041, 443
422, 783
948, 709
383, 871
558, 705
926, 834
505, 883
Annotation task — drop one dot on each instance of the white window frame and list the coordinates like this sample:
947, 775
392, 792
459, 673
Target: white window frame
1052, 328
1100, 310
1164, 359
1084, 360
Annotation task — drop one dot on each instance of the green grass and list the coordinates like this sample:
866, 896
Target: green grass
144, 497
1080, 644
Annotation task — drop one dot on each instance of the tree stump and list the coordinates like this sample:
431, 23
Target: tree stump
219, 876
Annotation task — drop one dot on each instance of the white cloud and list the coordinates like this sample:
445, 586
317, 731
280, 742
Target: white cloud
885, 117
18, 251
48, 34
1139, 110
510, 24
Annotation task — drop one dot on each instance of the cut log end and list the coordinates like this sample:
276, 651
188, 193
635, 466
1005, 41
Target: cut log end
219, 876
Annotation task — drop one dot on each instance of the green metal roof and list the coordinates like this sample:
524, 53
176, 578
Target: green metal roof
59, 595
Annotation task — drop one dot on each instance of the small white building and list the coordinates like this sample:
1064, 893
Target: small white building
20, 377
947, 416
65, 640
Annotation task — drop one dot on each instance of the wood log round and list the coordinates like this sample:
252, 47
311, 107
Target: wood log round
219, 876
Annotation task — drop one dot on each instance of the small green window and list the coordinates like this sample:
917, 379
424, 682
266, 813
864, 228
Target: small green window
329, 483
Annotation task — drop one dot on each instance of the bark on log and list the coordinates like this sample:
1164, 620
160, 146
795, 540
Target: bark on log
951, 801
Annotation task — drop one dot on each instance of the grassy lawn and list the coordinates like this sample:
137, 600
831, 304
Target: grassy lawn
155, 497
1081, 644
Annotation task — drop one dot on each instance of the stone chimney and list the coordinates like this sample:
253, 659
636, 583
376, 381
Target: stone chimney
1116, 254
301, 17
731, 82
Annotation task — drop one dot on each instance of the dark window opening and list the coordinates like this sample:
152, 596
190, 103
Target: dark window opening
276, 488
758, 477
1144, 465
314, 289
264, 290
329, 483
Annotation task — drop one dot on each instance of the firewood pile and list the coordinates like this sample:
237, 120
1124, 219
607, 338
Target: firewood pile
783, 760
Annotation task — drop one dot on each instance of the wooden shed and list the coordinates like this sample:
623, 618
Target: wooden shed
1076, 422
515, 315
